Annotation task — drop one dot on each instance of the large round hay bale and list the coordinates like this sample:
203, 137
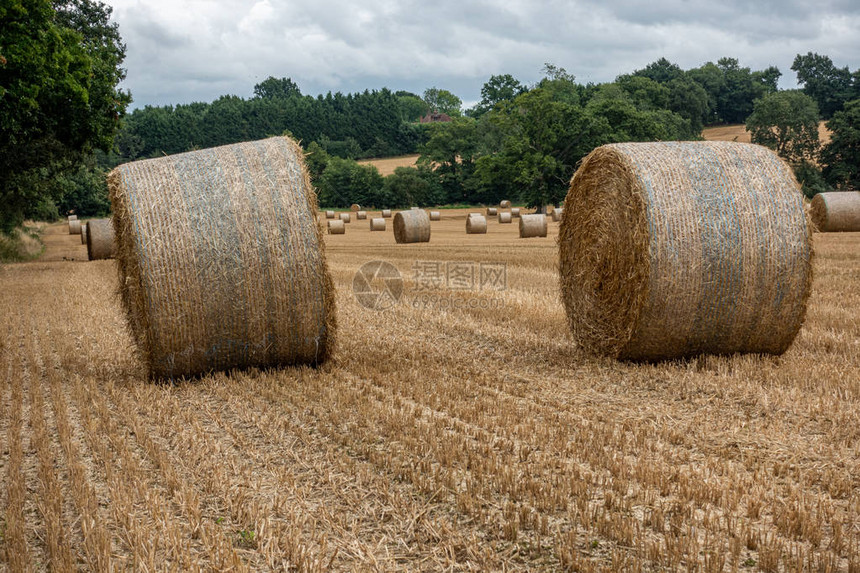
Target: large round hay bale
346, 217
361, 215
412, 226
505, 204
492, 211
557, 214
675, 249
515, 212
221, 259
74, 227
505, 217
84, 234
355, 207
532, 226
435, 216
336, 227
329, 215
836, 211
386, 213
73, 218
476, 225
377, 224
100, 240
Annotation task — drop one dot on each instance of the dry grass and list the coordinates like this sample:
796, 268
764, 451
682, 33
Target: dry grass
387, 165
436, 439
740, 134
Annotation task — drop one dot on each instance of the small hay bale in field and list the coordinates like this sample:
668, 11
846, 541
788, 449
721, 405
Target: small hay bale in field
361, 215
675, 249
74, 227
505, 217
73, 217
476, 225
329, 214
412, 226
346, 217
377, 224
355, 207
84, 234
549, 209
492, 211
336, 227
532, 226
836, 211
221, 259
505, 204
515, 212
100, 240
386, 213
557, 214
435, 216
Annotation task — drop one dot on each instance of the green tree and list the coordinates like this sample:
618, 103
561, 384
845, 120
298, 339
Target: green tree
786, 122
495, 90
443, 101
841, 156
412, 186
59, 70
452, 149
662, 71
412, 108
345, 182
828, 85
272, 87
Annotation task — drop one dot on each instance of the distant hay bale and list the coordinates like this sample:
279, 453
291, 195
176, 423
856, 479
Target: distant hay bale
435, 216
557, 214
73, 217
549, 209
329, 214
221, 259
505, 204
74, 227
492, 211
505, 217
476, 225
676, 249
336, 227
386, 213
515, 212
355, 207
532, 226
346, 217
377, 224
836, 211
361, 215
475, 215
84, 234
100, 240
412, 226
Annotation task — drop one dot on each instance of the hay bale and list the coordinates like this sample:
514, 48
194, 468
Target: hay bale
476, 225
336, 227
836, 211
515, 212
100, 240
84, 234
505, 217
346, 217
361, 215
329, 214
675, 249
74, 227
412, 226
73, 218
221, 259
556, 214
377, 224
532, 226
355, 207
386, 213
505, 204
492, 211
435, 216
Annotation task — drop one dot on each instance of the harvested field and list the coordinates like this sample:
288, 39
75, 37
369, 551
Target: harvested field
457, 430
386, 166
740, 134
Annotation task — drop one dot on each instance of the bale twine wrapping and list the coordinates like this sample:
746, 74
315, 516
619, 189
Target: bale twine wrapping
355, 207
386, 213
346, 217
221, 259
361, 215
377, 224
329, 214
74, 227
336, 227
557, 214
100, 240
84, 234
505, 204
492, 211
675, 249
836, 211
435, 216
515, 212
412, 226
505, 217
476, 225
532, 226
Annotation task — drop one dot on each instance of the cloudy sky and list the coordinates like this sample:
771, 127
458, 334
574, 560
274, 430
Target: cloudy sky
181, 51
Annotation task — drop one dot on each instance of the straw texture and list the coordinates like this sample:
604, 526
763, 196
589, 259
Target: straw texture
84, 234
74, 227
346, 217
532, 226
100, 240
675, 249
505, 217
435, 216
492, 211
221, 259
336, 227
515, 212
386, 213
476, 225
377, 224
412, 226
836, 211
361, 215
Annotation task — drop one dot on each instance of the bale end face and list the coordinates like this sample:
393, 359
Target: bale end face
412, 226
836, 211
505, 204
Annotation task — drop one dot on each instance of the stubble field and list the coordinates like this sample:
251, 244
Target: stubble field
459, 429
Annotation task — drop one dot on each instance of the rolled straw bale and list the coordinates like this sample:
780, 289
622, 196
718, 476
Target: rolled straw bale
100, 240
836, 211
377, 224
221, 259
557, 214
74, 227
476, 225
505, 204
412, 226
361, 215
84, 234
329, 214
346, 217
532, 226
475, 215
435, 216
492, 211
386, 213
505, 217
73, 217
515, 212
355, 207
336, 227
675, 249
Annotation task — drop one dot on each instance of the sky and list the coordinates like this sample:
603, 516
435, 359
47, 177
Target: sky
182, 51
